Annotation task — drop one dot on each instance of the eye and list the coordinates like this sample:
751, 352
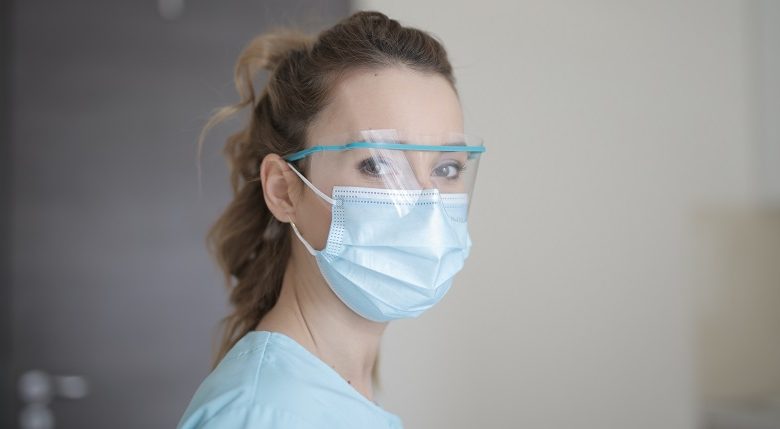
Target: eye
450, 170
375, 167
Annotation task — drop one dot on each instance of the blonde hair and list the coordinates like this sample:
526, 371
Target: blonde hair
250, 245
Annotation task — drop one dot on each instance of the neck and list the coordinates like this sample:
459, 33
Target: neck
310, 313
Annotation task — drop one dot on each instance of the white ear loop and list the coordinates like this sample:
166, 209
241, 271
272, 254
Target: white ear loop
321, 195
300, 237
313, 188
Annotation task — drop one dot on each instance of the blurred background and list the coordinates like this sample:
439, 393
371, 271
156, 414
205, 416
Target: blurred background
626, 262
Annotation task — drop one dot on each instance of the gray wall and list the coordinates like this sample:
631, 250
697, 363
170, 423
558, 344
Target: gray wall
768, 91
6, 391
110, 273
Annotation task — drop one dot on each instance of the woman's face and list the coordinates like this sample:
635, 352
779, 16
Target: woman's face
387, 98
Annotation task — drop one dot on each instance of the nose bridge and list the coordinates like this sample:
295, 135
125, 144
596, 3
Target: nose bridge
421, 164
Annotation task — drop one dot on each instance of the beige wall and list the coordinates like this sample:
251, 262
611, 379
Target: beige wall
739, 305
609, 124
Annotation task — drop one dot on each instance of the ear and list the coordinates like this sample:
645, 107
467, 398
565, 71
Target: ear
281, 187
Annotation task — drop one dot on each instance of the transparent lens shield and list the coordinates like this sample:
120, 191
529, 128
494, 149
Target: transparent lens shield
404, 169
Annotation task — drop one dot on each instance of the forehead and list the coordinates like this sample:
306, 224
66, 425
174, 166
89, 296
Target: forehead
390, 97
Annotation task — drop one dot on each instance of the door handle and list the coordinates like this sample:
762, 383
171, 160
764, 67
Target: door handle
37, 389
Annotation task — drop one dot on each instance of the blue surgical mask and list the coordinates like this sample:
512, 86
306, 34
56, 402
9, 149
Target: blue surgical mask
384, 266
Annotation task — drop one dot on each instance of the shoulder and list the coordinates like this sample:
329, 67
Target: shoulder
261, 382
245, 415
269, 380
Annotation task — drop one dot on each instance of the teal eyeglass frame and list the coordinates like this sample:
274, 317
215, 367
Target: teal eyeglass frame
472, 150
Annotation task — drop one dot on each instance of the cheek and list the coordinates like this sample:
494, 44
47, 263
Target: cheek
314, 217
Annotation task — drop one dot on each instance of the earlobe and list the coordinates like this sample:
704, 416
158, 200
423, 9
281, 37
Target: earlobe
279, 191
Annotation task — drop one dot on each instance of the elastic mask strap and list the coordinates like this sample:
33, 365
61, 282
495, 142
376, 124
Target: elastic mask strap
300, 237
321, 195
312, 187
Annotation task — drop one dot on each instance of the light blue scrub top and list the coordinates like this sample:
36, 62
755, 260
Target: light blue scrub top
268, 380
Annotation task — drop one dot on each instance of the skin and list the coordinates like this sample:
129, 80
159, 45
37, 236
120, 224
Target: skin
307, 310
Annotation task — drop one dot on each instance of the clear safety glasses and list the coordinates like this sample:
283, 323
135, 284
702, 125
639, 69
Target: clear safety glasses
405, 166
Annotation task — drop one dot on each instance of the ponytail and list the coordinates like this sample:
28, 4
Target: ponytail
249, 244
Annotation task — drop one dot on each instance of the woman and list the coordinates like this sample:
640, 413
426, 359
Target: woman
351, 188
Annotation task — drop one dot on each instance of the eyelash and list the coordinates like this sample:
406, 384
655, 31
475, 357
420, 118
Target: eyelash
368, 165
458, 166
